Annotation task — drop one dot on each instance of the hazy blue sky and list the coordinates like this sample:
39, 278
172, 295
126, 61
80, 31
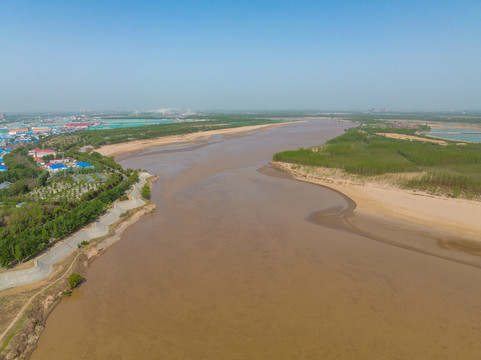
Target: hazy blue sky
71, 55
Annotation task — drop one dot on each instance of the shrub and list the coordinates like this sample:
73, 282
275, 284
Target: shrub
146, 192
74, 280
83, 243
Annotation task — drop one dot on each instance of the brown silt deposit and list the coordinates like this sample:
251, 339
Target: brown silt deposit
237, 264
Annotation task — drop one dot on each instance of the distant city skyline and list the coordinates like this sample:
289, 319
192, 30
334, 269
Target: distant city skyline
240, 56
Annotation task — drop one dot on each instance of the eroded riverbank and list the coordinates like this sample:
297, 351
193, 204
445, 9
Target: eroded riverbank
228, 267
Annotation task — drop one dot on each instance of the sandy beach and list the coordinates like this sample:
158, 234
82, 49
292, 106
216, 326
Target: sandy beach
456, 216
193, 138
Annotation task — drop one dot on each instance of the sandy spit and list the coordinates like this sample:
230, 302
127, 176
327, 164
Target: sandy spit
456, 216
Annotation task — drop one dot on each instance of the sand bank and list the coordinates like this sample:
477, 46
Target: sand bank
192, 138
456, 216
411, 138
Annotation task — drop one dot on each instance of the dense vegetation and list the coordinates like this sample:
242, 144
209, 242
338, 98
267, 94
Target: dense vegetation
29, 222
453, 169
31, 228
20, 167
461, 117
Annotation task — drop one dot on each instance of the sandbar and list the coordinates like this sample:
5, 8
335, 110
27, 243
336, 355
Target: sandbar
193, 138
457, 216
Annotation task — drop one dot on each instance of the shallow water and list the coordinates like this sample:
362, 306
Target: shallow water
229, 267
457, 134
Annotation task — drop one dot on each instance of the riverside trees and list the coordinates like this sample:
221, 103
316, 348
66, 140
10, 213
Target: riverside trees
453, 170
28, 227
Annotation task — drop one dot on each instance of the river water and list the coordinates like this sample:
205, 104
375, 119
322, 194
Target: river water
229, 267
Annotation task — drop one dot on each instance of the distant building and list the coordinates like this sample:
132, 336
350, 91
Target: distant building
17, 131
62, 161
41, 152
41, 129
56, 167
3, 168
82, 124
38, 160
84, 165
5, 185
2, 116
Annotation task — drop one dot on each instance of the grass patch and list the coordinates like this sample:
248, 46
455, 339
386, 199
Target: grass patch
12, 334
83, 243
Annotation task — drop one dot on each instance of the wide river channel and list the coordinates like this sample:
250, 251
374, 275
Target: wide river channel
228, 267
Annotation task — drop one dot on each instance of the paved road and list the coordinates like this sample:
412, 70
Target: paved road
43, 265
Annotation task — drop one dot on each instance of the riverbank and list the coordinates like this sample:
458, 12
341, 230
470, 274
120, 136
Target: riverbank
186, 139
28, 306
456, 219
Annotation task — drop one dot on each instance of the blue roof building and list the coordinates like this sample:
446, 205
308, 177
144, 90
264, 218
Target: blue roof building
57, 167
84, 165
3, 168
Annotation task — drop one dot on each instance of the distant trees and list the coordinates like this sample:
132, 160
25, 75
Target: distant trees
47, 158
42, 179
18, 187
19, 167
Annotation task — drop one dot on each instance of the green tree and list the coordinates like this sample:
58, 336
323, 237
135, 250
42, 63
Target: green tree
18, 187
74, 280
47, 158
18, 253
42, 179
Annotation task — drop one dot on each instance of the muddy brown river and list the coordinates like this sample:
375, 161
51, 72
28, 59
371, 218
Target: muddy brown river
230, 267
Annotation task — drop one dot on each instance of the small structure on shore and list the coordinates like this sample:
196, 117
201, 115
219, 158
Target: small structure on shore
56, 167
5, 185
